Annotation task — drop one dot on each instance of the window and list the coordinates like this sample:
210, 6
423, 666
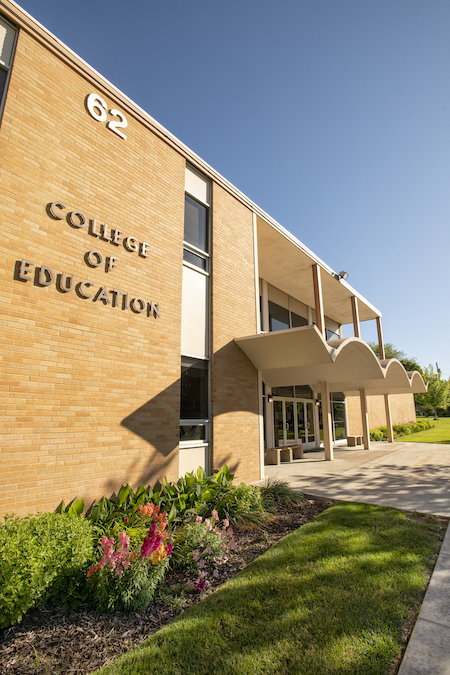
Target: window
196, 224
7, 43
195, 323
194, 389
281, 318
278, 317
332, 335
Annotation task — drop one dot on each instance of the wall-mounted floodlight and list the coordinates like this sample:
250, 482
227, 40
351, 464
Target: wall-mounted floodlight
342, 275
270, 398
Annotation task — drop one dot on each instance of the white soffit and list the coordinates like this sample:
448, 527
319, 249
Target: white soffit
286, 264
301, 356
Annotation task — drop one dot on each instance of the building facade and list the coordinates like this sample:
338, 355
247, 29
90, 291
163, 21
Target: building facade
141, 293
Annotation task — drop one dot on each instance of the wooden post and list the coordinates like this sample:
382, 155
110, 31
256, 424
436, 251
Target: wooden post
380, 339
355, 314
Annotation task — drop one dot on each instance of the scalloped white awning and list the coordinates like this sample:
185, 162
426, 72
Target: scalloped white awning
301, 356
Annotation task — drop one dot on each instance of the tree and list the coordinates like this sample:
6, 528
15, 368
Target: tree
392, 353
438, 394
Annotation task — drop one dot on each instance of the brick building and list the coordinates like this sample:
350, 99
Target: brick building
123, 254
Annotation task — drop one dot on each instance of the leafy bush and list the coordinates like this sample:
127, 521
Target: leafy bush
192, 537
192, 493
277, 491
242, 506
400, 430
40, 557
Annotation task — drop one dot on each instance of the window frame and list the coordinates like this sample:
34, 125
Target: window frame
7, 67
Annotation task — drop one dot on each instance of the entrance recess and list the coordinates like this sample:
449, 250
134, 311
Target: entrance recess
294, 422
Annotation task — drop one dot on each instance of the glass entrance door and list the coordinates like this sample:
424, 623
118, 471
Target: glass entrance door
294, 422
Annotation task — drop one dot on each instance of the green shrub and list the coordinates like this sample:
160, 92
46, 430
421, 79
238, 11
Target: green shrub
376, 435
194, 537
192, 493
40, 558
242, 505
277, 491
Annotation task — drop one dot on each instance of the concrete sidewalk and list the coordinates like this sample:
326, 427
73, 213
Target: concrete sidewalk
408, 476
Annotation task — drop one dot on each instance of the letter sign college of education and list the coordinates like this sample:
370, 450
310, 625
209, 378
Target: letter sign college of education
85, 289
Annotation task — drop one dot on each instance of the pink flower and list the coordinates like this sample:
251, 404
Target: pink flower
196, 555
214, 515
198, 519
226, 523
201, 564
124, 540
216, 530
208, 550
208, 525
200, 586
232, 544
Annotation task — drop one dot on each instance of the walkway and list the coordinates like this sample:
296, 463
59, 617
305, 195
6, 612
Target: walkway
409, 476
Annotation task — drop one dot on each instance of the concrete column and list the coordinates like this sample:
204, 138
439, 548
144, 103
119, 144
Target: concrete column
318, 299
390, 431
365, 419
261, 425
355, 314
270, 439
380, 339
327, 421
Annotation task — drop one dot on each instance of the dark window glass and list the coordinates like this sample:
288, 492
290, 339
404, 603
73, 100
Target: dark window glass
283, 391
196, 224
192, 432
303, 391
298, 320
331, 335
3, 76
194, 389
278, 317
194, 259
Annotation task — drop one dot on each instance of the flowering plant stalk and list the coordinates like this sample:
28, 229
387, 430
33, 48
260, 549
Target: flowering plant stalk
201, 554
124, 579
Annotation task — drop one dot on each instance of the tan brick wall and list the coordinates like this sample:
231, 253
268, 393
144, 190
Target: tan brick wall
234, 380
402, 411
89, 392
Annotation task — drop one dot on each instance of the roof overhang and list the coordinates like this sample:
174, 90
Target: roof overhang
286, 263
300, 356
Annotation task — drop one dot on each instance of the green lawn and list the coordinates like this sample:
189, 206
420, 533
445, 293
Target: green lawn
329, 599
439, 434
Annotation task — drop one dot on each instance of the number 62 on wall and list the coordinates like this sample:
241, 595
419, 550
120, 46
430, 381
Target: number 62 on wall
98, 109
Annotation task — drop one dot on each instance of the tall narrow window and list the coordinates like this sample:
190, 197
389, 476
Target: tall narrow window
7, 43
195, 322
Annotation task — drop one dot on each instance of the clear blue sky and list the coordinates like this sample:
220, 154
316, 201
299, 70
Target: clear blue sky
332, 115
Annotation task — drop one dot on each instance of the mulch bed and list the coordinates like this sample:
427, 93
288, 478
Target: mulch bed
78, 642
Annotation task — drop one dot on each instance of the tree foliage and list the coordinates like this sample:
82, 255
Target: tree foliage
392, 353
438, 394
